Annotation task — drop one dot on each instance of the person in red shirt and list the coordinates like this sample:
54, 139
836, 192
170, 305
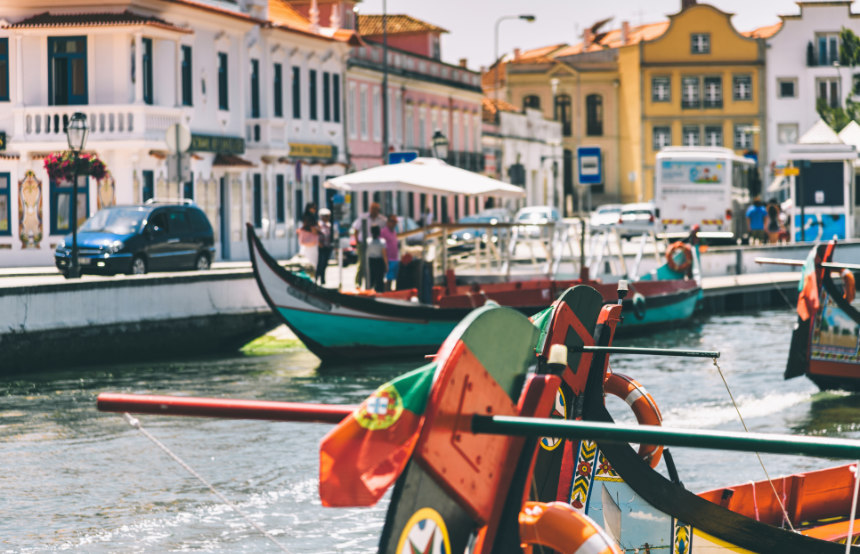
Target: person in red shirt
392, 247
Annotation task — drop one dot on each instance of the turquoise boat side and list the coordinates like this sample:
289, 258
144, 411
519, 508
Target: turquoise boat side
678, 311
335, 331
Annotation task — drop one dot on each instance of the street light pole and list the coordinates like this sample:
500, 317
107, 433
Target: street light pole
524, 17
76, 133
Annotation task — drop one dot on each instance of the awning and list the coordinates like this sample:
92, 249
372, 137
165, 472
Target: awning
424, 176
231, 160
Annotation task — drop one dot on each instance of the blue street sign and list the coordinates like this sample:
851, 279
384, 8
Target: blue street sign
590, 165
402, 157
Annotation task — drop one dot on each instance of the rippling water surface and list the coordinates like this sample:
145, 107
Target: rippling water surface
78, 480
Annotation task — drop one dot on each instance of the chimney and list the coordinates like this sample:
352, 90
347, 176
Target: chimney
625, 32
587, 38
463, 63
516, 53
687, 3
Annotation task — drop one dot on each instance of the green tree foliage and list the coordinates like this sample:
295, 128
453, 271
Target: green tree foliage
849, 56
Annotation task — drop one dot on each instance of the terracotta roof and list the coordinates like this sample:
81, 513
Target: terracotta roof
542, 54
764, 32
613, 39
282, 13
371, 25
490, 106
48, 19
231, 160
222, 11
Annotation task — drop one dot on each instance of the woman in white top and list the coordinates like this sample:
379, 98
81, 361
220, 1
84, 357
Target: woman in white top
309, 242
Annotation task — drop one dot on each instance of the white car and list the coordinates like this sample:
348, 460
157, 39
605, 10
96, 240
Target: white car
605, 217
636, 219
532, 215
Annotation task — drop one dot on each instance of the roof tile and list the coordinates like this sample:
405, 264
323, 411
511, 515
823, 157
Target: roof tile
48, 19
370, 25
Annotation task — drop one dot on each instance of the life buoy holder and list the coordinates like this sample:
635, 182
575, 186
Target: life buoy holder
849, 287
644, 408
558, 526
679, 256
638, 305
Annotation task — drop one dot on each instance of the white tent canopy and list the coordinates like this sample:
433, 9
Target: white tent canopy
425, 176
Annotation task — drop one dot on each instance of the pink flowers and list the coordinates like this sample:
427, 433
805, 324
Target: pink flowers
60, 166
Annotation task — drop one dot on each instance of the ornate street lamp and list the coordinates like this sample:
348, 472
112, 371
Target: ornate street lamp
76, 133
440, 145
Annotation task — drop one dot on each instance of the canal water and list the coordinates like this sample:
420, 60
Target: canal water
76, 480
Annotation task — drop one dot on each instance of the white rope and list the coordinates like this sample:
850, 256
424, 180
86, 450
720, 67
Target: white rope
760, 461
848, 539
134, 422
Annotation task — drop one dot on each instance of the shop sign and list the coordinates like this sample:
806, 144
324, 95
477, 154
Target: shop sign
301, 150
219, 144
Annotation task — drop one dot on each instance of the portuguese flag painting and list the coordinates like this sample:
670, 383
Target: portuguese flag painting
367, 451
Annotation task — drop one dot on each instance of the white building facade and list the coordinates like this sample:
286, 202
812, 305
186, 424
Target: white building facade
251, 92
801, 67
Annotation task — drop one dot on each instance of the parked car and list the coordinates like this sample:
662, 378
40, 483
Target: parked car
464, 239
636, 219
137, 239
605, 217
531, 216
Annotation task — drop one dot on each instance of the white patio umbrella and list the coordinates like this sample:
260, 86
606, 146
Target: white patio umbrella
427, 176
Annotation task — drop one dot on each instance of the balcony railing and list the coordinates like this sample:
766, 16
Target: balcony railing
107, 122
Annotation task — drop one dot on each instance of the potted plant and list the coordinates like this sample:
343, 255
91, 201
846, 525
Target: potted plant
61, 166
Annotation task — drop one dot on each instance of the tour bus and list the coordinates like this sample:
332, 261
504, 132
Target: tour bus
707, 186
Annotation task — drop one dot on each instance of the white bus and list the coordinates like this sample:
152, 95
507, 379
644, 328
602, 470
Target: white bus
707, 186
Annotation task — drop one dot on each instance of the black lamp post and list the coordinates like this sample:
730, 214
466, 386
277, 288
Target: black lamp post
440, 145
76, 133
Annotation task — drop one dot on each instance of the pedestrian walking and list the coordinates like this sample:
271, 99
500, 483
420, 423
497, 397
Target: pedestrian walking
361, 228
392, 247
309, 242
773, 222
325, 244
756, 221
377, 259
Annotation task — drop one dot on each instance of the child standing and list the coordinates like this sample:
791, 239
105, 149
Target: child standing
377, 259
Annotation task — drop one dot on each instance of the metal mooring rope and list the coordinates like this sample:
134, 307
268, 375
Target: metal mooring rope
134, 422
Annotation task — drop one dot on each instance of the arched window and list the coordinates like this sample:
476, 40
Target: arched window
563, 113
531, 101
594, 115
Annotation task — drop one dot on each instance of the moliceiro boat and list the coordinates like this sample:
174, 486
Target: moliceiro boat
341, 326
503, 444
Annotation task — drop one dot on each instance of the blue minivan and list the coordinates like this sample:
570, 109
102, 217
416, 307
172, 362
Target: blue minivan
137, 239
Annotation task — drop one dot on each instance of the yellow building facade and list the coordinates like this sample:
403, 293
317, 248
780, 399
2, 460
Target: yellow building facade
700, 83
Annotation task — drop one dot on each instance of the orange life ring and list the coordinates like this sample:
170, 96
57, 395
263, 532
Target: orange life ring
643, 406
558, 526
849, 287
679, 256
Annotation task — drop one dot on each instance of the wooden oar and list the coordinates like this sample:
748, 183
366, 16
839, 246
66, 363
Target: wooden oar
667, 436
647, 351
221, 407
829, 265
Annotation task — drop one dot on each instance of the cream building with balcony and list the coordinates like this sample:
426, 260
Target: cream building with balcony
251, 86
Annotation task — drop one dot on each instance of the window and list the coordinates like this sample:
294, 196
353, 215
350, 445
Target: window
743, 137
786, 88
690, 135
5, 205
713, 135
223, 100
67, 70
377, 115
299, 205
855, 84
700, 43
61, 205
255, 88
326, 96
713, 93
148, 185
147, 70
280, 214
531, 101
362, 111
563, 113
828, 48
742, 87
455, 132
661, 89
350, 110
409, 139
187, 89
827, 90
786, 133
422, 128
398, 113
689, 92
594, 115
662, 137
297, 93
258, 200
188, 188
312, 93
4, 72
315, 189
278, 90
335, 97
